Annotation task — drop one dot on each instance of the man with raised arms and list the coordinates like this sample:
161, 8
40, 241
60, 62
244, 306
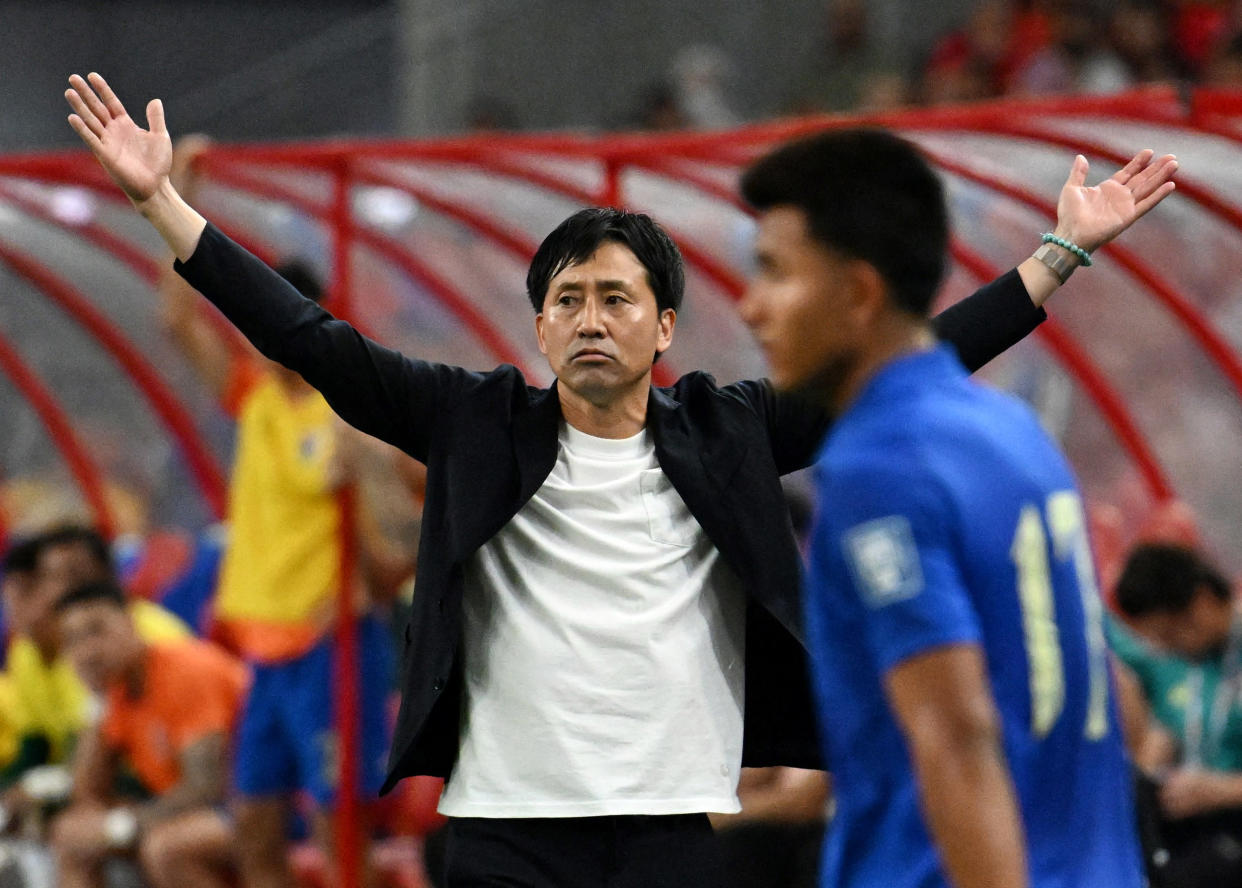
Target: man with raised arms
606, 621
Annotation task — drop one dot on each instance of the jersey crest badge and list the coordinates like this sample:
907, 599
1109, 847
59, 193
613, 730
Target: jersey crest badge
884, 560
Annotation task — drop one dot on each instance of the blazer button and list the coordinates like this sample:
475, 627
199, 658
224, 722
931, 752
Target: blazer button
440, 604
437, 685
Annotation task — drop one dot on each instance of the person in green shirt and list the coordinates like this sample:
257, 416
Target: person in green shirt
1182, 641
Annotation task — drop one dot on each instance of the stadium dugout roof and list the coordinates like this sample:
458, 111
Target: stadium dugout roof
1138, 372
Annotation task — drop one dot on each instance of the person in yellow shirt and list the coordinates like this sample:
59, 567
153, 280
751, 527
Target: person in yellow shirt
49, 704
276, 599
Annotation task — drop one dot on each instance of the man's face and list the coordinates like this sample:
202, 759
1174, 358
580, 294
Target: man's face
796, 304
1197, 632
28, 613
99, 639
600, 327
66, 566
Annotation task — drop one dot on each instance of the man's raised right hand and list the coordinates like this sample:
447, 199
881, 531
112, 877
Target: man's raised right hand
138, 160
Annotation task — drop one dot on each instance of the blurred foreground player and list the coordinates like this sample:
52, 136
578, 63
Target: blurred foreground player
605, 623
960, 668
169, 712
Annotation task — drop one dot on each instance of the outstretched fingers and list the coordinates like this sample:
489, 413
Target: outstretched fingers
110, 101
90, 102
1138, 163
84, 113
80, 127
1155, 175
1142, 206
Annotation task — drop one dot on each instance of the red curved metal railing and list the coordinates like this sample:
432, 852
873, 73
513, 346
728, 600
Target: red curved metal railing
60, 432
1195, 322
164, 403
592, 169
456, 302
1096, 386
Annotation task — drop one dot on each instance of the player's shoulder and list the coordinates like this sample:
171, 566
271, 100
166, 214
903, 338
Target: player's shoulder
192, 660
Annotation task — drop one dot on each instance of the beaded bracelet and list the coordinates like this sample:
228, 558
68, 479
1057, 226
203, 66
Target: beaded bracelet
1083, 256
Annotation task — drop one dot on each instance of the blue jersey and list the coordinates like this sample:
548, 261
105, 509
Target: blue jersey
949, 517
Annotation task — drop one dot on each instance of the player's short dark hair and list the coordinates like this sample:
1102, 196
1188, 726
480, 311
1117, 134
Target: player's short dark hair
80, 535
299, 275
22, 557
106, 591
868, 194
1164, 578
579, 236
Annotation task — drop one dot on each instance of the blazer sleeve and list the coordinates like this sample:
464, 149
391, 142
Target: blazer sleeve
980, 327
373, 388
995, 317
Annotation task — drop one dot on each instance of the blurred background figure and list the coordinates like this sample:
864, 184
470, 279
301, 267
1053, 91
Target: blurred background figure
276, 602
169, 712
1076, 57
976, 61
700, 77
1182, 647
850, 70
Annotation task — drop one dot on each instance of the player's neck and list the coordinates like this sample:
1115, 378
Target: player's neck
894, 340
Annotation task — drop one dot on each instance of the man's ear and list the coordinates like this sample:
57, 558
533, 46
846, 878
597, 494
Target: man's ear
543, 348
664, 334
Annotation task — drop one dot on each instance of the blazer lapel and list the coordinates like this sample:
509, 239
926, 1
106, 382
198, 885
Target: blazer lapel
535, 442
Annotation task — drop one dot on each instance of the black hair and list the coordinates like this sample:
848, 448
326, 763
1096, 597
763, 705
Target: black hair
1164, 578
298, 274
79, 535
575, 239
869, 195
22, 557
106, 591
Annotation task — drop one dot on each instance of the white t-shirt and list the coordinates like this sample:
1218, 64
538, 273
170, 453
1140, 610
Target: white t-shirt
604, 643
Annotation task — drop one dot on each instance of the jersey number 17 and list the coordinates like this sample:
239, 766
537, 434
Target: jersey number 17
1065, 520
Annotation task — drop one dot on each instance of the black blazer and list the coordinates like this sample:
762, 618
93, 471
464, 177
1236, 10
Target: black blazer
489, 440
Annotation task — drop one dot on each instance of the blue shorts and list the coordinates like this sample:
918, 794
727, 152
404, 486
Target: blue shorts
287, 739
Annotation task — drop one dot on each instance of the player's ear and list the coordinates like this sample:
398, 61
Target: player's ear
868, 291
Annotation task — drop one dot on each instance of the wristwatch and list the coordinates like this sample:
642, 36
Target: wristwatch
120, 828
1062, 262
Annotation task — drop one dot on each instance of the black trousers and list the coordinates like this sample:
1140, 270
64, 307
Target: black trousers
667, 851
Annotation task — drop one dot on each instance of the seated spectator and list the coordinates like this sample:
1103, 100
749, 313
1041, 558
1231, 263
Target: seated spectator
50, 705
1187, 659
851, 70
1077, 58
72, 555
169, 711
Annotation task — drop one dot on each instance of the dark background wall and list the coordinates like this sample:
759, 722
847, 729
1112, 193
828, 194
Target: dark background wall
277, 69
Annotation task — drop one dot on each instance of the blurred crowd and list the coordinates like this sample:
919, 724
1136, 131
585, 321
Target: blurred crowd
1016, 48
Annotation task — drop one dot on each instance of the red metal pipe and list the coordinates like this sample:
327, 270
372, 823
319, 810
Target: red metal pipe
1094, 384
1188, 187
61, 432
1191, 318
441, 290
164, 403
93, 233
349, 843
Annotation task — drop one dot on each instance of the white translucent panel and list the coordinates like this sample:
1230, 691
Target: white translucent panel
705, 221
114, 420
528, 209
399, 313
711, 336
